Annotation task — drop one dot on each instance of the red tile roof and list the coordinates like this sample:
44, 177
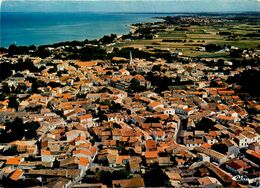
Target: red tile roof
17, 174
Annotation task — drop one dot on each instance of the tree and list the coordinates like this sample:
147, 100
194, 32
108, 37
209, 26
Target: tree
205, 124
152, 120
156, 177
108, 39
36, 84
115, 107
17, 130
106, 177
119, 174
35, 109
105, 102
42, 52
5, 70
5, 88
128, 112
136, 87
248, 80
156, 68
12, 50
108, 73
12, 151
53, 70
32, 47
220, 147
13, 103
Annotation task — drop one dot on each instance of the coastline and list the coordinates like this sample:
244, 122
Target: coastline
124, 28
77, 27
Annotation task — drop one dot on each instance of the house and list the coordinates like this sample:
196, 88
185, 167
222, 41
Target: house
68, 173
38, 99
46, 156
29, 147
203, 157
214, 155
164, 161
134, 164
191, 143
159, 135
114, 117
254, 146
141, 81
116, 134
169, 111
124, 72
122, 160
107, 156
80, 140
151, 157
17, 174
13, 161
76, 112
241, 141
226, 119
247, 137
153, 105
180, 161
253, 156
179, 109
210, 139
75, 162
188, 111
151, 145
237, 166
82, 153
174, 178
252, 137
232, 147
254, 178
202, 84
209, 182
71, 135
128, 183
88, 118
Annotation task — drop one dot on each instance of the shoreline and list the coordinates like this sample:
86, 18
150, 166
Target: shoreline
130, 26
125, 27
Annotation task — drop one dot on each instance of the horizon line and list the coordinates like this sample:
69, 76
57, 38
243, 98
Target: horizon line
138, 12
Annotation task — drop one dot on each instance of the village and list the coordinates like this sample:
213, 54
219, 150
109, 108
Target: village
129, 122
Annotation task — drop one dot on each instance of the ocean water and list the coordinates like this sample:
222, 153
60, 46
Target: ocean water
38, 22
47, 28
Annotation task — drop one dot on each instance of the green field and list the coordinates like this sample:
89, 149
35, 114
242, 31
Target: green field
195, 36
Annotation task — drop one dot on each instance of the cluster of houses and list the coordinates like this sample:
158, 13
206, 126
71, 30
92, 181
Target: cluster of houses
197, 134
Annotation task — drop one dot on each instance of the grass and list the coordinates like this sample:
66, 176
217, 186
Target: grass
214, 55
240, 43
208, 34
169, 34
200, 54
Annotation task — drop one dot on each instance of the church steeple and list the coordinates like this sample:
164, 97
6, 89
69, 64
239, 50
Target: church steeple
131, 58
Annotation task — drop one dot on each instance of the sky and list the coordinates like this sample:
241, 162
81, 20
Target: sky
130, 6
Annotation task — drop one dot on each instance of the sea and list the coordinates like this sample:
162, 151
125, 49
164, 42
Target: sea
48, 28
40, 22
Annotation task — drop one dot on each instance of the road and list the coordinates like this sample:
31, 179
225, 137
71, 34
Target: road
178, 130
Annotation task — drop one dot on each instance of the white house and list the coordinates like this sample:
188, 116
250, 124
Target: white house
46, 156
169, 111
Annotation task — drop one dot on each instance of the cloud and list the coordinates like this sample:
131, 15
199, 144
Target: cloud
129, 5
228, 1
103, 0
